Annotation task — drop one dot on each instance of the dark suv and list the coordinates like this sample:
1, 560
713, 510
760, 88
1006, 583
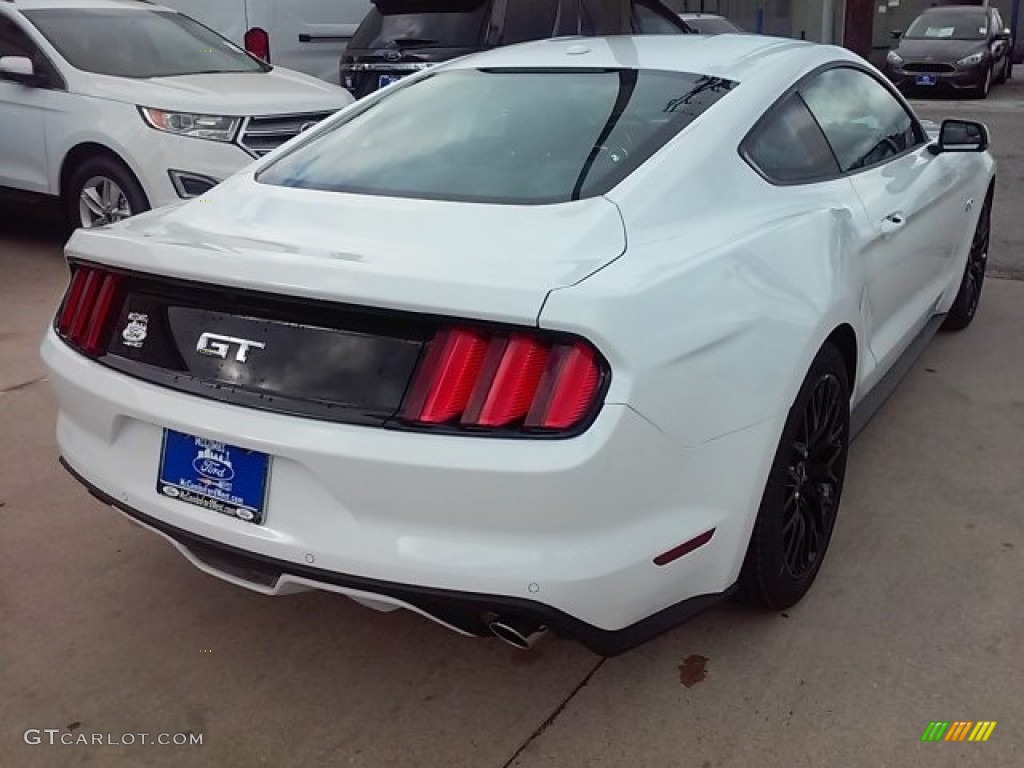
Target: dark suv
399, 37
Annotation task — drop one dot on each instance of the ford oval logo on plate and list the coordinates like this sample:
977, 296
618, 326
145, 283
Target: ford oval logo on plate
215, 467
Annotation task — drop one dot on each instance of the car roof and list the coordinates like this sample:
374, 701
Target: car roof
730, 56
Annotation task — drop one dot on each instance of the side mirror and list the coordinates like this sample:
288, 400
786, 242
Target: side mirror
895, 34
961, 136
18, 69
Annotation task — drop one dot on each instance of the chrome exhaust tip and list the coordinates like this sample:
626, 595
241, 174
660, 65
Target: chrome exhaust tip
516, 632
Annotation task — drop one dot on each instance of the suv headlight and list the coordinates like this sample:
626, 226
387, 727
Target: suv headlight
974, 58
894, 58
210, 127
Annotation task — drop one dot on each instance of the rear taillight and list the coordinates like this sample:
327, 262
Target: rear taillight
476, 380
89, 309
257, 42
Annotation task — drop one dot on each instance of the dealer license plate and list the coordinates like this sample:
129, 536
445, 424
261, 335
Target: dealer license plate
216, 476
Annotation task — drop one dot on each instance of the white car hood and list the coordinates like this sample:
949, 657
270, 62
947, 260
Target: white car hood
495, 262
280, 91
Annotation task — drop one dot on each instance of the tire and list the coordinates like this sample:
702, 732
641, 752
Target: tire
801, 499
965, 305
116, 193
1003, 76
985, 86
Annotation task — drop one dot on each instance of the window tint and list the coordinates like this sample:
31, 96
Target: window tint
139, 42
529, 20
502, 136
650, 22
862, 121
403, 23
788, 145
14, 42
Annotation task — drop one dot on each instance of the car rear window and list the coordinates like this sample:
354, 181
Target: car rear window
406, 24
139, 43
501, 135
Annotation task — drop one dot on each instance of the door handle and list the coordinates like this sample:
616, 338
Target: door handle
893, 223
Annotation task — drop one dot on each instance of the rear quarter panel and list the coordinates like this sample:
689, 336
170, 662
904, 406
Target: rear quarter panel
725, 294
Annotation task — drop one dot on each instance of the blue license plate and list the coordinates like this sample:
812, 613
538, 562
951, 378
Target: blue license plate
926, 80
214, 475
387, 80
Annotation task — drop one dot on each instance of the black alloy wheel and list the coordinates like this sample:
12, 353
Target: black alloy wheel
812, 490
965, 305
801, 498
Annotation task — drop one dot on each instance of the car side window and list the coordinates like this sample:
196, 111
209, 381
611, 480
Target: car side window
863, 122
648, 21
529, 20
14, 42
788, 147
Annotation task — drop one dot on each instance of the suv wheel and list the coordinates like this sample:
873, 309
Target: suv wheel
102, 191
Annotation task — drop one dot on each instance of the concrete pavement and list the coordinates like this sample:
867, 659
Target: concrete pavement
916, 616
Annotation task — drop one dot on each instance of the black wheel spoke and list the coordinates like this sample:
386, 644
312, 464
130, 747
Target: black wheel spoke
813, 477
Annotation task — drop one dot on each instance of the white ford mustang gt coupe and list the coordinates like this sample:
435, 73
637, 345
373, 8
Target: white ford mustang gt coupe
571, 335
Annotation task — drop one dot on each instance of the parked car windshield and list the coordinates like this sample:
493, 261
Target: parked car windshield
403, 23
949, 26
502, 135
139, 43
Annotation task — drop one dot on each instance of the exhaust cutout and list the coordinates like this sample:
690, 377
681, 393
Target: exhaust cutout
516, 632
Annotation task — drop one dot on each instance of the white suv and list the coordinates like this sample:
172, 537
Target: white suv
118, 106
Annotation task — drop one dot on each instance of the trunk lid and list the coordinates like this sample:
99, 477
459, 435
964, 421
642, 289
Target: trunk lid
489, 262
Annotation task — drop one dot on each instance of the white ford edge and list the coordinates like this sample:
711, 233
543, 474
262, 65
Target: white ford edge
118, 106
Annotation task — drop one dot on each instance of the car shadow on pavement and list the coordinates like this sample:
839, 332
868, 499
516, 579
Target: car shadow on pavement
39, 224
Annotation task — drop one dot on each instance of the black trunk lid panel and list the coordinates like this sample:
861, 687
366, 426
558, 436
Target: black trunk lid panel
290, 355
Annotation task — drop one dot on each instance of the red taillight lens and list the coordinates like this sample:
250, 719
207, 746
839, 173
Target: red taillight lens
445, 378
480, 380
257, 42
567, 390
89, 308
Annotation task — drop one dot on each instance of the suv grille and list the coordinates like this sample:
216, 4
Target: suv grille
265, 134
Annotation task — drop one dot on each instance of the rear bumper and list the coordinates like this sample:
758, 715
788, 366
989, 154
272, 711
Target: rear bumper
463, 612
562, 532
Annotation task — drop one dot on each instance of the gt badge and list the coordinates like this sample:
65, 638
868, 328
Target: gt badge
215, 345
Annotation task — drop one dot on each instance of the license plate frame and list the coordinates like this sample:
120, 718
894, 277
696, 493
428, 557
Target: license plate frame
214, 475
